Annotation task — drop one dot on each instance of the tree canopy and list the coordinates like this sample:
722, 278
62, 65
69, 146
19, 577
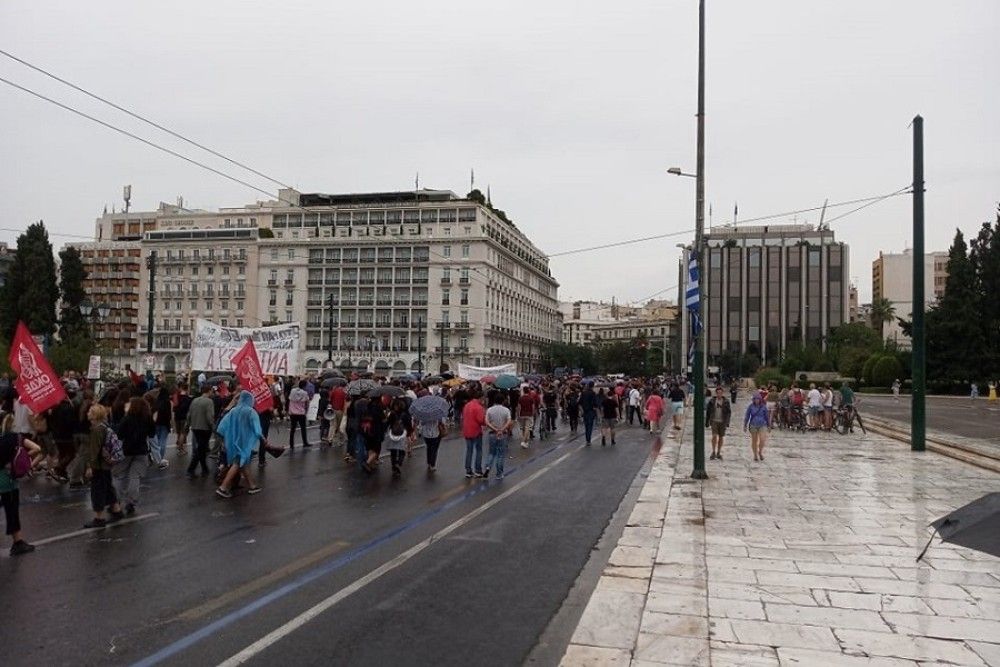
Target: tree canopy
30, 292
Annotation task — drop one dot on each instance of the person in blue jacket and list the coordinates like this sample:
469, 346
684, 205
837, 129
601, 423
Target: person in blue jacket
757, 423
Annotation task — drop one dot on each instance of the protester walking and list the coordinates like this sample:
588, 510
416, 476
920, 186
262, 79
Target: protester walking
240, 431
10, 495
611, 411
676, 396
500, 424
756, 422
102, 489
182, 405
654, 411
589, 405
398, 435
135, 431
163, 417
526, 415
298, 404
201, 422
473, 420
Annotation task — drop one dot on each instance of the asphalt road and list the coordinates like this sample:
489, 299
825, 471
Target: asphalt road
325, 566
958, 416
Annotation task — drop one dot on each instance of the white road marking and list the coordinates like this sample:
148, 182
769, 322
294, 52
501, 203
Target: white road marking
291, 626
88, 531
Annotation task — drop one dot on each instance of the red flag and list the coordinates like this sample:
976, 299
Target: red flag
37, 384
249, 373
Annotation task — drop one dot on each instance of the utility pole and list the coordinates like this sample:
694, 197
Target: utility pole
151, 265
420, 347
699, 233
329, 328
918, 415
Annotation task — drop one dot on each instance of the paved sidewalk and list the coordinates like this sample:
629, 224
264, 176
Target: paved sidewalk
807, 558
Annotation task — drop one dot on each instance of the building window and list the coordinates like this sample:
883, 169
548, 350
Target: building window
274, 298
274, 254
465, 249
445, 297
239, 304
288, 316
194, 270
289, 296
446, 251
465, 297
291, 253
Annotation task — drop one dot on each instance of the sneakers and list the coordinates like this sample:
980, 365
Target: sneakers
483, 475
711, 456
524, 445
21, 547
604, 441
164, 464
129, 509
255, 490
468, 474
223, 493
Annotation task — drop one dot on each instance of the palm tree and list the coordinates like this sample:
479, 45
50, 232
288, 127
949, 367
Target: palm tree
882, 311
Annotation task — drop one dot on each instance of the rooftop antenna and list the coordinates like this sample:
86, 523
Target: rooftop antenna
822, 213
736, 212
710, 216
488, 202
472, 179
416, 182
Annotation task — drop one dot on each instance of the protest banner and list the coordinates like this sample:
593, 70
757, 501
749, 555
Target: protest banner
467, 372
37, 385
213, 347
249, 373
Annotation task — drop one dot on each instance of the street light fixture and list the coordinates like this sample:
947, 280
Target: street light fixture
676, 171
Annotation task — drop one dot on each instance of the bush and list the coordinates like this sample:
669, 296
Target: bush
885, 371
867, 369
767, 376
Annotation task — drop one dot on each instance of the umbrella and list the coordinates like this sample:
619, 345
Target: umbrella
975, 526
534, 377
434, 379
488, 379
333, 382
506, 382
386, 390
331, 373
216, 379
429, 409
454, 382
447, 375
361, 387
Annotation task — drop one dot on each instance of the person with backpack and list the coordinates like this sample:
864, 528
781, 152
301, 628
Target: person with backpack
371, 430
62, 424
589, 405
398, 434
573, 409
102, 488
135, 430
16, 461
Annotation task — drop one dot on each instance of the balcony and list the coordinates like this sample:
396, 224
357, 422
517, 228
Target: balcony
442, 325
441, 350
272, 282
289, 282
446, 281
383, 325
464, 281
465, 326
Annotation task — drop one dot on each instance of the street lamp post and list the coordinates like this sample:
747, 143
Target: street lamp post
94, 313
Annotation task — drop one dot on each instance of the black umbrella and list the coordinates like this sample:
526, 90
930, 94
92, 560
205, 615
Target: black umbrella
389, 390
333, 382
434, 379
331, 373
976, 526
214, 380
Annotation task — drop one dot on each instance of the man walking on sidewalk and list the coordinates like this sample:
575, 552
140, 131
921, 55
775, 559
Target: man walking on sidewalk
718, 412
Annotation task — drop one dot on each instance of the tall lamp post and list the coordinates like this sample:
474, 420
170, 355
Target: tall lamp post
698, 251
94, 313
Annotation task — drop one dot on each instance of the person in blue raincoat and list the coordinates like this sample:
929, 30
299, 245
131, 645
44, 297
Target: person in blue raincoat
240, 430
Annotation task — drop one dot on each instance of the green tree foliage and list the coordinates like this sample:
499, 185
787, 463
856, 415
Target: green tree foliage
768, 376
984, 255
885, 371
72, 324
956, 345
570, 355
882, 311
72, 354
31, 292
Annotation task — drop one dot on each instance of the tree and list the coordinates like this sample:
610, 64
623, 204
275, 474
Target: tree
882, 311
72, 324
885, 371
984, 255
954, 331
30, 292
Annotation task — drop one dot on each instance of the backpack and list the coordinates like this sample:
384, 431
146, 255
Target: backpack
112, 450
20, 466
397, 431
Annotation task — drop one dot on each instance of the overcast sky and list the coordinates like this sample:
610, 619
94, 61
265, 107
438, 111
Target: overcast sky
570, 110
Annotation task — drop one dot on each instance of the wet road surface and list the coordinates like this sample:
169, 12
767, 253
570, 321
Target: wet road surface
326, 566
958, 416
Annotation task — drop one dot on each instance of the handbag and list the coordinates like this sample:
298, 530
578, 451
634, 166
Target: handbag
442, 430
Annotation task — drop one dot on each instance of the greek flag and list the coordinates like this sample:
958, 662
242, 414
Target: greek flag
693, 304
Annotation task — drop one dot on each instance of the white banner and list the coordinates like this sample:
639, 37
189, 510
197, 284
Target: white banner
94, 367
477, 372
213, 347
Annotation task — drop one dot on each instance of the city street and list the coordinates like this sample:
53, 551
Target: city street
426, 570
978, 419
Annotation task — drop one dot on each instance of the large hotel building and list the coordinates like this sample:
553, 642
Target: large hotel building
391, 282
765, 287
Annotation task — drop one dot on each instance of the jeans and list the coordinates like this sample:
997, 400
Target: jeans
588, 424
300, 422
200, 451
498, 453
397, 456
432, 450
11, 501
127, 475
161, 439
477, 445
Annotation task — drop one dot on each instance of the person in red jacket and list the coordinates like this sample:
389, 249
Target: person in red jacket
473, 420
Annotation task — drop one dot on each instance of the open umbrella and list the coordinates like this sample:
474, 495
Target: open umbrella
488, 379
331, 373
454, 382
506, 382
429, 409
361, 387
976, 526
333, 382
434, 379
216, 379
386, 390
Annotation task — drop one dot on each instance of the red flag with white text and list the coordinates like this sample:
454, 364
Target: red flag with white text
246, 363
37, 385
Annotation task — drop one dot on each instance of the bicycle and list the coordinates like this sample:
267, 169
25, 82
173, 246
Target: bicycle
844, 418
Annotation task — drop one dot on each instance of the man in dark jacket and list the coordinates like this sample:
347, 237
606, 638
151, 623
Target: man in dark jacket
62, 424
588, 403
718, 412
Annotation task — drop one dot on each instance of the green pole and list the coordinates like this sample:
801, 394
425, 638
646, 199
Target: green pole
699, 232
918, 414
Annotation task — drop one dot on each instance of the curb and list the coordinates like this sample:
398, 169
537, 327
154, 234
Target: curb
947, 448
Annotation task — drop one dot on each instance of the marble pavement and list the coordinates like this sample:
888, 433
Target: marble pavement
806, 558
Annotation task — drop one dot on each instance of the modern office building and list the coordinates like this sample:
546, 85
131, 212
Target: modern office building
767, 286
391, 281
892, 279
114, 274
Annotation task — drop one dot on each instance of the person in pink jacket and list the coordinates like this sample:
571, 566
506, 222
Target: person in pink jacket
654, 411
